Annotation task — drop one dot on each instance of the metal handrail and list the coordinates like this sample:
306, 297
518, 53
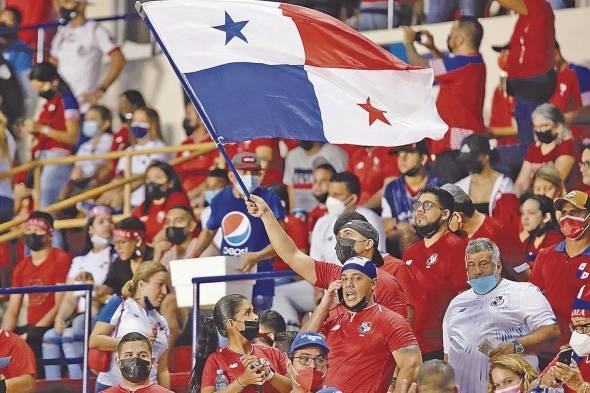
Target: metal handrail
87, 322
197, 281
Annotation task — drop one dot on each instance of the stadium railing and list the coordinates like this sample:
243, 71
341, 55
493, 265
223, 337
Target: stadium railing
87, 288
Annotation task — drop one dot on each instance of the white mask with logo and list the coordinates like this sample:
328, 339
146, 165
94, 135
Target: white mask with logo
335, 206
251, 182
580, 343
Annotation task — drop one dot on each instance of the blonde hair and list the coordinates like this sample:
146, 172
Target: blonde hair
144, 272
550, 174
518, 366
3, 138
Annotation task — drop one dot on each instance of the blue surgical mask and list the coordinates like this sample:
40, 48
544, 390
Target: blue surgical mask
90, 128
210, 194
484, 284
139, 130
251, 182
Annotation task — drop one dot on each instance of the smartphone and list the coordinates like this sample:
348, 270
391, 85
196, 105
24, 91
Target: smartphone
565, 356
340, 293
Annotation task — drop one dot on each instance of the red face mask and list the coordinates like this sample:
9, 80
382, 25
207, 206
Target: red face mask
573, 227
310, 379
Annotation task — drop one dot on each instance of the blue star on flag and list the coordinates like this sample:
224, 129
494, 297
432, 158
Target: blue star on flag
232, 29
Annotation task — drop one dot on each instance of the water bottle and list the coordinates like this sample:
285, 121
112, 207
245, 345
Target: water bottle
221, 381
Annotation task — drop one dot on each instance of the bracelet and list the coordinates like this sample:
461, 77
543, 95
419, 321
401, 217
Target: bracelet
239, 383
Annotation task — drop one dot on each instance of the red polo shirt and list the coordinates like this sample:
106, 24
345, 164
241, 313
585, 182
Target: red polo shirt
63, 106
567, 96
533, 41
535, 156
22, 360
437, 274
194, 171
153, 388
361, 344
156, 214
560, 278
372, 165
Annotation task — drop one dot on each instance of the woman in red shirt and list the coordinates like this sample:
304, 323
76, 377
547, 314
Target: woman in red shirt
163, 191
554, 145
248, 368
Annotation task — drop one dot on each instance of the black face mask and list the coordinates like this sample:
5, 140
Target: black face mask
357, 307
306, 145
251, 329
47, 94
153, 191
188, 127
34, 241
428, 230
545, 136
321, 198
67, 14
474, 165
412, 171
175, 235
135, 369
345, 249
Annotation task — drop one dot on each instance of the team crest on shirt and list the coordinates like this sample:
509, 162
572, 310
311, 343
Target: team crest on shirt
161, 216
431, 260
233, 365
365, 327
581, 273
498, 301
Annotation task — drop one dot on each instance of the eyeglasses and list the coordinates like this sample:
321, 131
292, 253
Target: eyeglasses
426, 205
319, 360
582, 329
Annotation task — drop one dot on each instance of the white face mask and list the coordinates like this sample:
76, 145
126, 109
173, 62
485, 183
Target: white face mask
580, 343
99, 241
251, 182
335, 206
509, 389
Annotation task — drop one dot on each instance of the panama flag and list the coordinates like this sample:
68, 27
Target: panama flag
258, 69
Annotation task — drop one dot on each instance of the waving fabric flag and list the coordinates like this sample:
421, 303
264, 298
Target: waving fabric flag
259, 69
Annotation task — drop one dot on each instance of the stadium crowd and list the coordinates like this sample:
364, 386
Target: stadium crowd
453, 265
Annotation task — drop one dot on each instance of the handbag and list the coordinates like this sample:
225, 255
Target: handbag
98, 360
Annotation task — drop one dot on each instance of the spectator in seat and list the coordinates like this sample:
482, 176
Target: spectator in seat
308, 362
343, 195
547, 182
434, 376
387, 340
323, 172
18, 376
179, 228
511, 371
271, 323
461, 76
45, 265
539, 229
434, 267
128, 237
89, 268
129, 102
554, 145
78, 48
374, 167
216, 181
567, 95
7, 156
135, 361
163, 190
244, 236
472, 320
298, 174
401, 193
242, 363
56, 130
267, 149
136, 311
560, 270
531, 61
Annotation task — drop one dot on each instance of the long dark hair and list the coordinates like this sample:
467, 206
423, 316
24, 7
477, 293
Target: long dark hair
172, 177
226, 308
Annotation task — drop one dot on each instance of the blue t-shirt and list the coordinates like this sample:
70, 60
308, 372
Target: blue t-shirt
19, 56
400, 201
243, 233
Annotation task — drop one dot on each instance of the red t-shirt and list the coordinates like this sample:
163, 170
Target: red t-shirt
314, 215
55, 112
274, 172
22, 360
437, 274
535, 156
360, 348
501, 115
388, 293
529, 250
194, 171
297, 230
560, 278
533, 41
567, 96
52, 271
154, 219
372, 165
153, 388
229, 361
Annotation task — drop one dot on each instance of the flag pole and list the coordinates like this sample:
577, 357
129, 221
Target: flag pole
194, 100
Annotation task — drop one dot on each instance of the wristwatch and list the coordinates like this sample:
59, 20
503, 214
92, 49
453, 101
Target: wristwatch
518, 347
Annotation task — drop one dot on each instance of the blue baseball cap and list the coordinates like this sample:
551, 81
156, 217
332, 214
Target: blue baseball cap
306, 339
5, 361
329, 390
363, 265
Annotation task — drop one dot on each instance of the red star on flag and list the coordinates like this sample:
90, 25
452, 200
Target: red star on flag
374, 113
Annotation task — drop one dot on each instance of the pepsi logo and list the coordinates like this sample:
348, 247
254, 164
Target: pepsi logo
236, 228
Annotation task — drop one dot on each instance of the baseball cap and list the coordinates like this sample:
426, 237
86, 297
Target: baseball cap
367, 230
363, 265
421, 147
500, 48
577, 198
246, 161
319, 161
475, 143
5, 361
306, 339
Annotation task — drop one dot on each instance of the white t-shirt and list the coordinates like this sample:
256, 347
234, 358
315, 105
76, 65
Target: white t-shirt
299, 172
5, 165
139, 165
509, 311
134, 319
86, 149
79, 52
95, 263
323, 240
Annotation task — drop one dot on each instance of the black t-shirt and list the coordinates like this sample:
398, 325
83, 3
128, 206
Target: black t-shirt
119, 273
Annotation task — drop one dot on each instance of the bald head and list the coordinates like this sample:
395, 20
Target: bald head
436, 376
